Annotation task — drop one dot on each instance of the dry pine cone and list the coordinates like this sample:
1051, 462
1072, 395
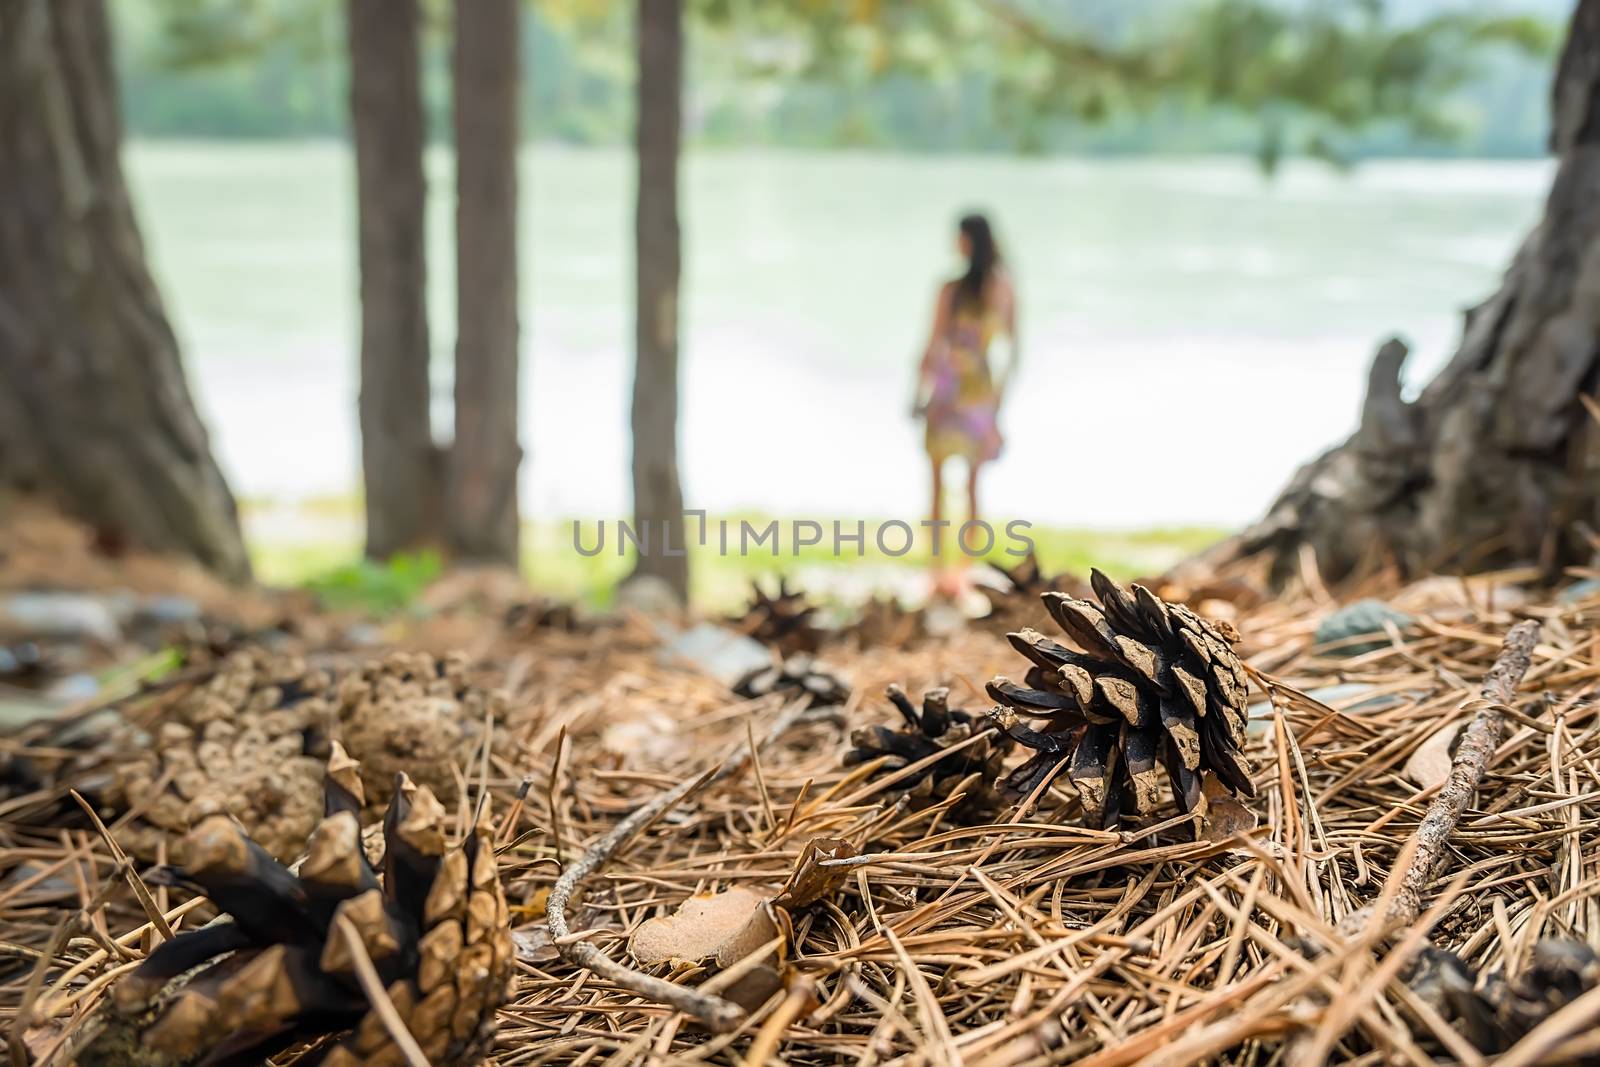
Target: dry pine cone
972, 770
797, 675
884, 623
785, 623
248, 734
1496, 1012
256, 732
1017, 604
1158, 685
283, 973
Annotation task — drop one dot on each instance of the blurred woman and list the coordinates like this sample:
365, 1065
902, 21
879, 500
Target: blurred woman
958, 395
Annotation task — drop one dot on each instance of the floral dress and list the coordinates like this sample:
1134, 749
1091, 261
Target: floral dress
963, 405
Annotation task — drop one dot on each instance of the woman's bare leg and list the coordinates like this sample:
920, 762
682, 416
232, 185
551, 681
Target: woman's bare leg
972, 492
936, 510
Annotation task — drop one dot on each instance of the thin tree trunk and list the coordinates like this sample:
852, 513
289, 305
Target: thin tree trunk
483, 462
1495, 462
97, 409
657, 496
401, 467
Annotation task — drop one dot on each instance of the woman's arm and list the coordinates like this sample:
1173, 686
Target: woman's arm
936, 338
1008, 308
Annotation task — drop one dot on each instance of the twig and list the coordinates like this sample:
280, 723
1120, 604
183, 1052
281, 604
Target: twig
1478, 743
718, 1014
140, 890
372, 985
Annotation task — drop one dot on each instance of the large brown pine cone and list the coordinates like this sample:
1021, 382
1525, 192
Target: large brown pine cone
256, 732
938, 726
282, 974
249, 734
1155, 684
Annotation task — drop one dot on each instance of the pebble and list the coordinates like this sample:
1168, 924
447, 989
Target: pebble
1354, 620
722, 653
74, 616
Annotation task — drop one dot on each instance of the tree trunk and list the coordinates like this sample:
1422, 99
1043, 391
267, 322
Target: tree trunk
1495, 462
96, 408
400, 465
483, 463
657, 496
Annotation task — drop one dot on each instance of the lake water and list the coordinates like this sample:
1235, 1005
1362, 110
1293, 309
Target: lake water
1191, 331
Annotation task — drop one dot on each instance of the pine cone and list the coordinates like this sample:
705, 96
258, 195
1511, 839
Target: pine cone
247, 735
256, 732
1158, 684
529, 617
884, 623
798, 674
1497, 1012
937, 727
1017, 604
411, 711
785, 623
282, 974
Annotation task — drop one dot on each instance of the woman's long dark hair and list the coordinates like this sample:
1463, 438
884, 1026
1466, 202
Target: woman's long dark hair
981, 263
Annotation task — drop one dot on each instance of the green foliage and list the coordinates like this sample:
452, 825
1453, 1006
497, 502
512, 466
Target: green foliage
1337, 79
377, 588
267, 68
1317, 75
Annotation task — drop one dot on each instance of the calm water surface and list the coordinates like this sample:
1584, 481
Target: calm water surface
1191, 331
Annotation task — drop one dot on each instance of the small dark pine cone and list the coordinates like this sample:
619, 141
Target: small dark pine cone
935, 728
800, 674
530, 617
1158, 684
1017, 604
1497, 1012
785, 623
281, 975
884, 623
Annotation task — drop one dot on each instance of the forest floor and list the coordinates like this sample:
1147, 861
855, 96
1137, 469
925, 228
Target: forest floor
1011, 936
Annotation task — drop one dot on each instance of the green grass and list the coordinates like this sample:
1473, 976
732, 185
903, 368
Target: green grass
323, 553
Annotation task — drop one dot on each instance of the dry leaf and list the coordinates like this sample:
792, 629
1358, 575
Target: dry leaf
728, 926
1224, 816
810, 882
533, 946
536, 904
1429, 765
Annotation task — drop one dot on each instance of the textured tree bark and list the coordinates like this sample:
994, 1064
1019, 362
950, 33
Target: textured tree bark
1496, 461
657, 496
483, 517
96, 408
401, 468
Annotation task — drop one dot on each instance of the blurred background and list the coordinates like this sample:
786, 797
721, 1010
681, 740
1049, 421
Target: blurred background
1214, 211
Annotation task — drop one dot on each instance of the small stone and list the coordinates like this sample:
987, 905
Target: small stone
1360, 619
74, 616
650, 596
717, 651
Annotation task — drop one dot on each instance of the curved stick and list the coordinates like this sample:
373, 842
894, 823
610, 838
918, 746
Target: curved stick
718, 1014
1478, 742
